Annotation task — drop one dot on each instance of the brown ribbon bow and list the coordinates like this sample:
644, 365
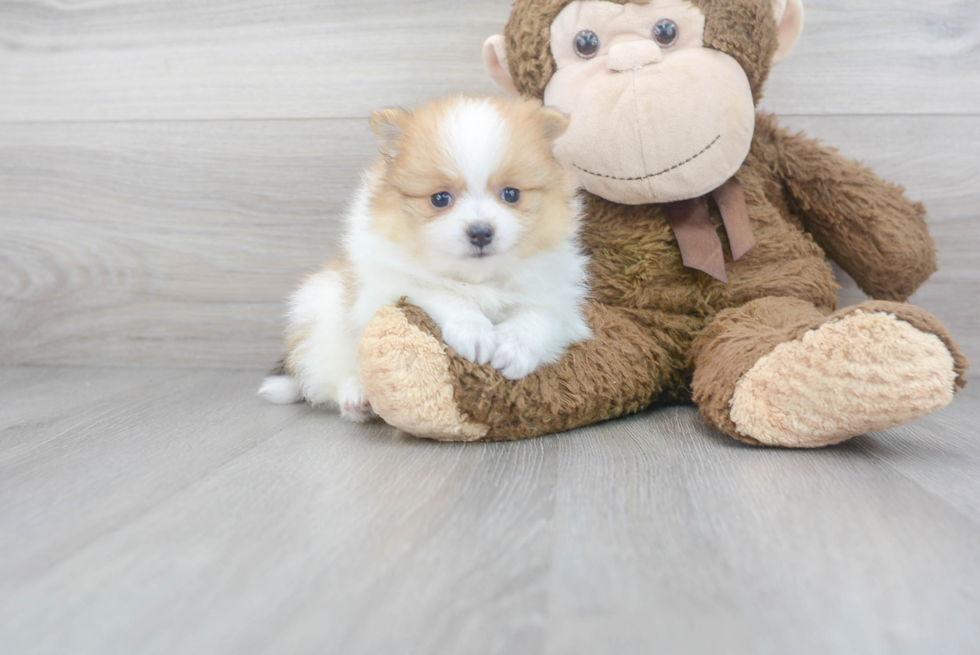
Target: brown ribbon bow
697, 238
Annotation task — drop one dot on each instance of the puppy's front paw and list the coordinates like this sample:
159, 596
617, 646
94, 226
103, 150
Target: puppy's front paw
354, 405
472, 339
515, 359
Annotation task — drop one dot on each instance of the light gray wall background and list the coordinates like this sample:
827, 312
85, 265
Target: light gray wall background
169, 168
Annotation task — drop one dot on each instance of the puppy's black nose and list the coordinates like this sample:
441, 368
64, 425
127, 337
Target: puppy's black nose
480, 235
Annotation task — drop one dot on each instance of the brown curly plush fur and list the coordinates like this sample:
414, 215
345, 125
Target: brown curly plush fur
665, 333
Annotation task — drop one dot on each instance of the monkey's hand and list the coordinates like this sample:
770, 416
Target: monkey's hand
867, 226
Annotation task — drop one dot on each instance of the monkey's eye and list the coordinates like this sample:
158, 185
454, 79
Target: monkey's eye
511, 196
665, 33
587, 44
441, 200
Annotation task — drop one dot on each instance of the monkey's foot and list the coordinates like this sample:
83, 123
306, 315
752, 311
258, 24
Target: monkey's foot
405, 373
861, 371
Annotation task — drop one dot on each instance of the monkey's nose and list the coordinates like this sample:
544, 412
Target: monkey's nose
634, 55
480, 235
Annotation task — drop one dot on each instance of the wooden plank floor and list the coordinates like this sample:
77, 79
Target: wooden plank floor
169, 169
171, 511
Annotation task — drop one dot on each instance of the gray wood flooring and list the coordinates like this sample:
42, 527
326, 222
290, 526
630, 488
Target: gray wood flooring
170, 168
171, 511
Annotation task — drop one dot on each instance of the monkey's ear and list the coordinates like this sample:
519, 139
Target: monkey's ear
388, 126
789, 17
495, 59
554, 122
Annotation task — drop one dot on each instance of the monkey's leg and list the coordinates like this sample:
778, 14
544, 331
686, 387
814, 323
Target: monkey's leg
779, 372
418, 385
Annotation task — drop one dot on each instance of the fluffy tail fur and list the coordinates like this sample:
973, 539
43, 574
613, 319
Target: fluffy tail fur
281, 390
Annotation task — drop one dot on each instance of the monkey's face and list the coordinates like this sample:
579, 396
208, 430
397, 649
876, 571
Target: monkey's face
655, 116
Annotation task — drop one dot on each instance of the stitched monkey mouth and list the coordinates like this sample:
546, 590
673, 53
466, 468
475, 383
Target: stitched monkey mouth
647, 177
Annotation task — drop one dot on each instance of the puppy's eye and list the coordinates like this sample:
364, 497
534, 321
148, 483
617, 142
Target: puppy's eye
511, 196
587, 44
665, 33
441, 200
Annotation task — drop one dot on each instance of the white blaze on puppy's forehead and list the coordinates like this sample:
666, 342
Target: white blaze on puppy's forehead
475, 137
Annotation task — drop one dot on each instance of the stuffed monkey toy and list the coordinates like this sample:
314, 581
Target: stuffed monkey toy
710, 229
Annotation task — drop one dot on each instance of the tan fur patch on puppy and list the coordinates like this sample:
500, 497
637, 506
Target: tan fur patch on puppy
418, 163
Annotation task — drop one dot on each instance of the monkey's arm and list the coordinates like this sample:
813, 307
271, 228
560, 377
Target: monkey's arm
867, 226
635, 358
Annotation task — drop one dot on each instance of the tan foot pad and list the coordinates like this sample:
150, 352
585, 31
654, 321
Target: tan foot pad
405, 373
861, 373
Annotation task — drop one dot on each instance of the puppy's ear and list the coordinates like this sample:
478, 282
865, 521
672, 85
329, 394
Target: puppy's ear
388, 126
554, 122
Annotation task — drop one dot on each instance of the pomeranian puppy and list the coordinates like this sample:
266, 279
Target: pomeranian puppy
469, 216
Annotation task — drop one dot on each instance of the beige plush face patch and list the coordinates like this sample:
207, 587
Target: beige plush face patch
655, 116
